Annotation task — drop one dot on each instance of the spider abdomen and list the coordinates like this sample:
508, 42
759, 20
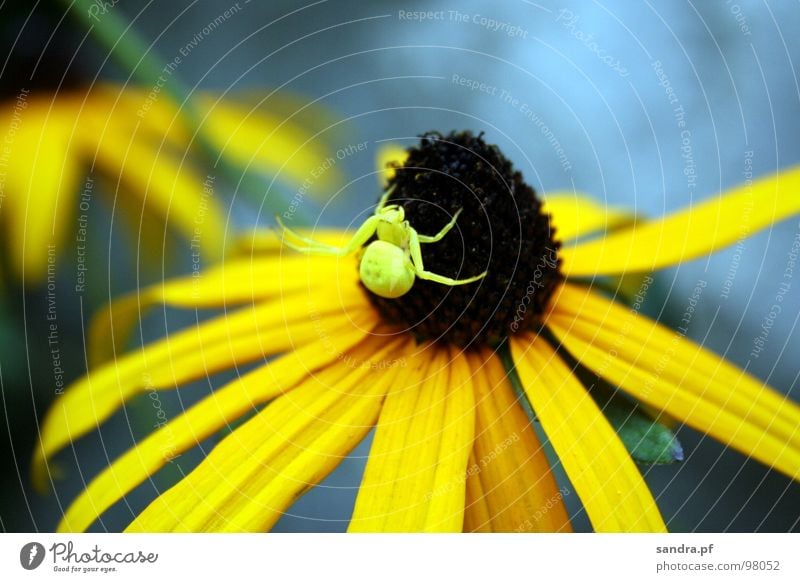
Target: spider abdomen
385, 270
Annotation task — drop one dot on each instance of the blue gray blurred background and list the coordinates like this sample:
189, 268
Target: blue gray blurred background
649, 106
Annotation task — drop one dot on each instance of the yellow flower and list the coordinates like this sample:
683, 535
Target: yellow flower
453, 448
136, 144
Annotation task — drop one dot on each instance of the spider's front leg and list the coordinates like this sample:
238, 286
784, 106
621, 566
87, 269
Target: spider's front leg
384, 199
416, 258
362, 235
438, 236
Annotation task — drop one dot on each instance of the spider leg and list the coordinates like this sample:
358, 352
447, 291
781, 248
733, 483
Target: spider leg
384, 199
314, 250
308, 241
428, 276
362, 235
419, 268
437, 237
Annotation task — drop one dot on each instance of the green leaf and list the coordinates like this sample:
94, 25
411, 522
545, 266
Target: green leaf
647, 440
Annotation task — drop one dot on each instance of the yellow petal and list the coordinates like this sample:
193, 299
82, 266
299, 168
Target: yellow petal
130, 110
661, 368
233, 282
40, 188
477, 515
255, 137
168, 186
509, 469
694, 232
575, 215
257, 472
223, 406
415, 477
613, 493
182, 357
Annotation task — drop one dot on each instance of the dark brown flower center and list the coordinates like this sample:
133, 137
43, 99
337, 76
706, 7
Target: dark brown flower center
501, 230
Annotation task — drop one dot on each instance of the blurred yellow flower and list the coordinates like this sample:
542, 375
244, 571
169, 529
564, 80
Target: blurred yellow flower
137, 145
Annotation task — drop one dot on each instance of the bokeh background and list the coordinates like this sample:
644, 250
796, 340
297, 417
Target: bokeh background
584, 96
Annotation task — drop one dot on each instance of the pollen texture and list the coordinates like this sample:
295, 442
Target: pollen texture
501, 230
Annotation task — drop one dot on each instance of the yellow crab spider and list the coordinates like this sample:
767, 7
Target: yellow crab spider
390, 264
